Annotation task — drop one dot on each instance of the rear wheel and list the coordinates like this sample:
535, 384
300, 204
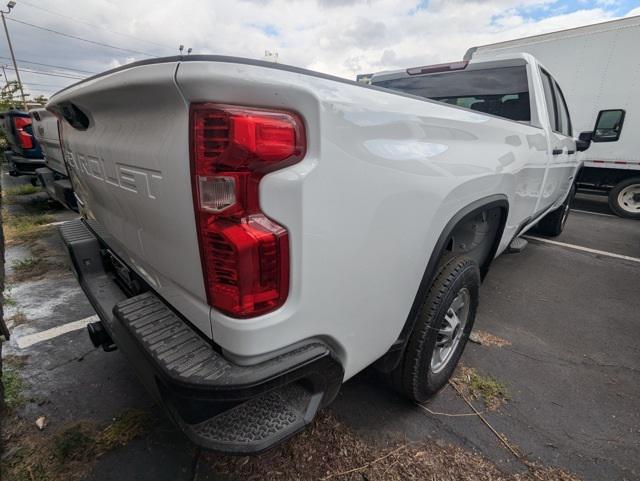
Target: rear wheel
553, 223
624, 198
442, 328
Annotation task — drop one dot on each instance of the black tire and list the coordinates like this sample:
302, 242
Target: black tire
414, 376
553, 223
625, 207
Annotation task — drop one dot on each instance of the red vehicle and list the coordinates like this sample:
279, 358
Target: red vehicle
24, 155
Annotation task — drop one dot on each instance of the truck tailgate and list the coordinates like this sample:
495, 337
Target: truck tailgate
127, 149
45, 129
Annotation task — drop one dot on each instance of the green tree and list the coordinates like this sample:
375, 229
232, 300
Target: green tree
8, 101
41, 99
8, 98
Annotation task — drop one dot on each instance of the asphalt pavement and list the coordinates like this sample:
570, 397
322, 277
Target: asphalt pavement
572, 367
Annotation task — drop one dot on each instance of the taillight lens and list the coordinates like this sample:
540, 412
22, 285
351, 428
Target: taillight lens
25, 138
245, 255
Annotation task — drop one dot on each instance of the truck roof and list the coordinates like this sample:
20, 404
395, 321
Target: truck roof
505, 60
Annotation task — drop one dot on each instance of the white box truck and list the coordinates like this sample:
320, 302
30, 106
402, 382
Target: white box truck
598, 67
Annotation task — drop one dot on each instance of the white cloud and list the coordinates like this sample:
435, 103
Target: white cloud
333, 36
633, 13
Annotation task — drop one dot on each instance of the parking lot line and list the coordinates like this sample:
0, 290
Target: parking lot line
594, 213
31, 339
583, 249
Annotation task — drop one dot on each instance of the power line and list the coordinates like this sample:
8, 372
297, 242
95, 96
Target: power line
42, 85
22, 2
50, 30
40, 72
49, 65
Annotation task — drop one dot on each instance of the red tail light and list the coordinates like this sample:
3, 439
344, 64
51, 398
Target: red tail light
25, 138
245, 255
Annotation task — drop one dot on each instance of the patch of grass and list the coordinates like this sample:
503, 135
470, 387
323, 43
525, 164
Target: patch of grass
329, 450
492, 392
13, 387
17, 319
68, 453
129, 425
41, 205
74, 442
22, 189
26, 264
83, 440
29, 268
15, 361
8, 300
26, 228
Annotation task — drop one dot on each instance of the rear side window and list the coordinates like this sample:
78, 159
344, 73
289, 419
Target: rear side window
608, 125
563, 112
550, 100
498, 91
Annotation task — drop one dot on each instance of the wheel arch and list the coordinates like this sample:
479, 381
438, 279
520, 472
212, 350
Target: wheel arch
498, 201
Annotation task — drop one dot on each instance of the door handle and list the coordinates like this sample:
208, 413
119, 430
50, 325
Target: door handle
571, 152
557, 151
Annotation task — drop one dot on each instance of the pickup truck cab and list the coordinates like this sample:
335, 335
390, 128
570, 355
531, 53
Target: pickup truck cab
24, 155
253, 234
53, 176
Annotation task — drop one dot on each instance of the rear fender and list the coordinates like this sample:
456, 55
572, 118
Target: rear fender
445, 244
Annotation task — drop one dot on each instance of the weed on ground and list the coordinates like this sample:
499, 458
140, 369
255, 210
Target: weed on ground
331, 451
22, 189
12, 382
16, 319
487, 339
478, 386
124, 428
8, 301
68, 453
30, 268
40, 205
13, 387
26, 227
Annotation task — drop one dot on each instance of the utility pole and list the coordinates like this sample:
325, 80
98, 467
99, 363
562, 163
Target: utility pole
10, 5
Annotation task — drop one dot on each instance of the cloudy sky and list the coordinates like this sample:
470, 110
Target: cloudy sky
341, 37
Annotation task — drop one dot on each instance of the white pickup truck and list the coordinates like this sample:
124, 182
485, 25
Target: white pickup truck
253, 234
53, 175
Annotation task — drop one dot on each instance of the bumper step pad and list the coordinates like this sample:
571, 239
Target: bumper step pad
258, 423
187, 359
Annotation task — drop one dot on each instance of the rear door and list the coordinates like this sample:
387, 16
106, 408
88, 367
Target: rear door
562, 147
567, 166
501, 89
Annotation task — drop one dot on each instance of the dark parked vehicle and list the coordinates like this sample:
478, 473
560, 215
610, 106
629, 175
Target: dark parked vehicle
24, 155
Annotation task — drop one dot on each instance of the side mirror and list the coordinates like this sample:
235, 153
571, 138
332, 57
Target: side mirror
584, 141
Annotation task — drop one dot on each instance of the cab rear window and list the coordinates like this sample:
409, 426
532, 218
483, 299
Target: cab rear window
498, 91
